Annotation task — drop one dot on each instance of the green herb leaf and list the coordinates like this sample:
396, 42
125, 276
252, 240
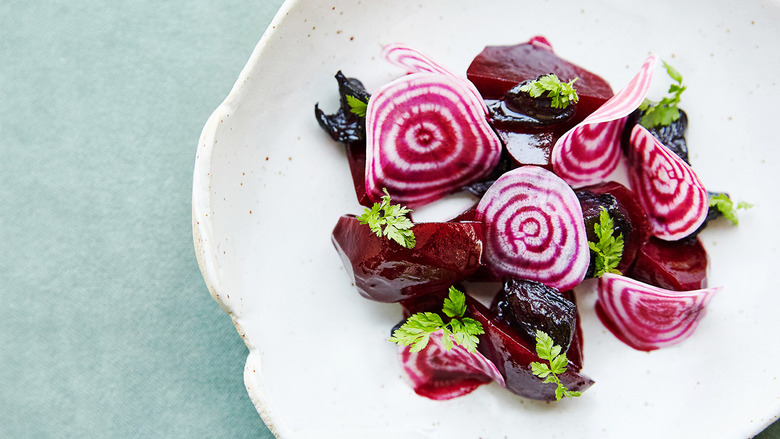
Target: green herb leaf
417, 329
393, 217
665, 111
546, 350
609, 248
455, 304
561, 93
725, 206
356, 106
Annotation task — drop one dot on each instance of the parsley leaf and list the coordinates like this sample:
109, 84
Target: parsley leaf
356, 106
725, 206
665, 111
393, 217
609, 249
558, 362
417, 329
561, 93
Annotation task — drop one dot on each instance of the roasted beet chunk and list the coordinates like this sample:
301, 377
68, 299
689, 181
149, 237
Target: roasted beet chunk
592, 206
672, 136
445, 253
528, 306
513, 356
519, 110
350, 129
672, 265
344, 125
627, 214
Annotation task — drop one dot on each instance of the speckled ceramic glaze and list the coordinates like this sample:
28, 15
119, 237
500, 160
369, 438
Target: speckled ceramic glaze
269, 185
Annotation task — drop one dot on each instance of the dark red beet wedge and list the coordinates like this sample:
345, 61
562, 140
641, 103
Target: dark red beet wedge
498, 71
499, 68
672, 265
445, 253
513, 357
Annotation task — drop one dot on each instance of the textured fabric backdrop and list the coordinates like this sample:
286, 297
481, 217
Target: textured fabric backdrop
106, 326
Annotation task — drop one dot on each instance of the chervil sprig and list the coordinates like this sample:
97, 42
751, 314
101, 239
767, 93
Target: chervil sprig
417, 329
558, 362
608, 249
356, 106
665, 111
561, 93
390, 220
725, 206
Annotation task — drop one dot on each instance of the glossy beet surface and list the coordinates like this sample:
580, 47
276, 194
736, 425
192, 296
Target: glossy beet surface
384, 271
529, 306
672, 265
499, 68
627, 214
350, 129
513, 356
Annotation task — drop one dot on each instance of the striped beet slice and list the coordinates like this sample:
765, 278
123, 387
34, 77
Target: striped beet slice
534, 228
426, 139
647, 317
439, 374
670, 192
590, 151
413, 61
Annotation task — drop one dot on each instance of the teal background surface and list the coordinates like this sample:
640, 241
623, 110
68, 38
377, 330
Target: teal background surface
106, 326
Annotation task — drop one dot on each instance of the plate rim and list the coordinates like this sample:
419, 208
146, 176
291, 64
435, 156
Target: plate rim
202, 224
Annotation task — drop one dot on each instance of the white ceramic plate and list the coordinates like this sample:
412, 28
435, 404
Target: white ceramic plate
269, 185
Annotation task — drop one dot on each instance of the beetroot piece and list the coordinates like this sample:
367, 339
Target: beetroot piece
628, 208
426, 137
384, 271
590, 152
413, 61
672, 265
528, 306
499, 68
439, 374
673, 197
498, 71
647, 317
513, 357
348, 128
534, 229
529, 148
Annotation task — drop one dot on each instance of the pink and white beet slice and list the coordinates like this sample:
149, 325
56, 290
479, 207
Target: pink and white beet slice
669, 191
426, 138
588, 153
439, 374
646, 317
534, 228
413, 61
